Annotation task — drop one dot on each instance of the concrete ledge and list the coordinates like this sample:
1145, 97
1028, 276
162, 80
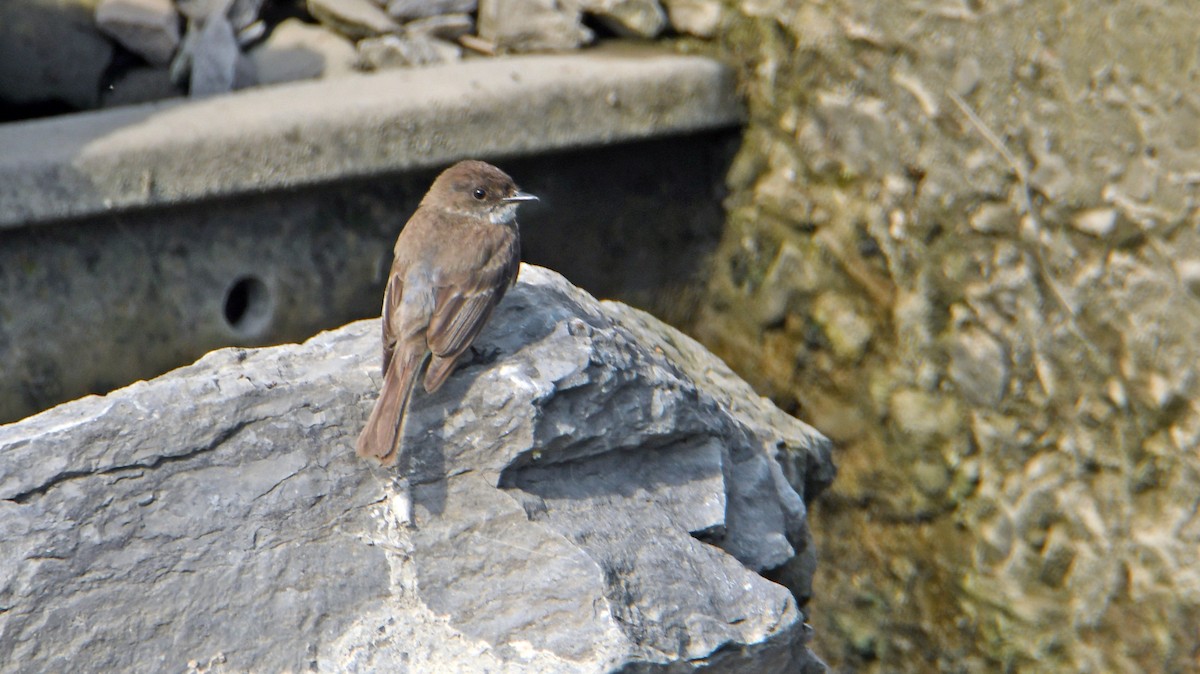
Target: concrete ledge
314, 132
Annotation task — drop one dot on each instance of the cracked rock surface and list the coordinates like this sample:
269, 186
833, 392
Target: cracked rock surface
601, 496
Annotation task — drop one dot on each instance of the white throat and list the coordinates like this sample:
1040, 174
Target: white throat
504, 215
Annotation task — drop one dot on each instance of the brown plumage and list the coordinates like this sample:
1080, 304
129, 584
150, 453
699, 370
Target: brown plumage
456, 257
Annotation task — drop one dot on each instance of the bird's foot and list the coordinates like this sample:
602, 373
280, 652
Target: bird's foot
484, 356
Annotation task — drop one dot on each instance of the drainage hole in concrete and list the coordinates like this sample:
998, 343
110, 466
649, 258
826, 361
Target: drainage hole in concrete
248, 306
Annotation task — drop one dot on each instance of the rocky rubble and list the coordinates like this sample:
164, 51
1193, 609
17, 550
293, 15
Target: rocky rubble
601, 495
125, 51
977, 268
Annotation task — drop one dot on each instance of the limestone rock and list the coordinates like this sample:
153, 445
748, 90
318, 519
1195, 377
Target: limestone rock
978, 367
241, 13
198, 9
214, 57
355, 19
406, 10
397, 51
446, 26
532, 25
1099, 222
628, 18
694, 17
67, 68
149, 28
583, 503
297, 51
210, 59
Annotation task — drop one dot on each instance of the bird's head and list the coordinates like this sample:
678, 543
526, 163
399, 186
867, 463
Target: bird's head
476, 188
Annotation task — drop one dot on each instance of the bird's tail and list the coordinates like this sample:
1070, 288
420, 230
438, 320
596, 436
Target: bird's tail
380, 439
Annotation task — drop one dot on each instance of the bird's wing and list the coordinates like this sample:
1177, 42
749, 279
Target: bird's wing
463, 305
392, 296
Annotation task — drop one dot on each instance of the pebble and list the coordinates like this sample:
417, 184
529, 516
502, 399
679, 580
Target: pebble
396, 51
148, 28
406, 10
446, 26
532, 25
214, 58
628, 18
701, 18
356, 19
1099, 222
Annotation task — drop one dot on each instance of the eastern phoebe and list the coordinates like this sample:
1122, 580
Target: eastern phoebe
454, 260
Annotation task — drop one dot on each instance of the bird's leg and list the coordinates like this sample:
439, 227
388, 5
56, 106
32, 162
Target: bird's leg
482, 356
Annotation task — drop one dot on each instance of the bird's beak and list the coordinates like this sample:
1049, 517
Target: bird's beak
519, 197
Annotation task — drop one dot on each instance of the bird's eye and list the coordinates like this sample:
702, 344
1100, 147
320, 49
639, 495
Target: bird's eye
479, 193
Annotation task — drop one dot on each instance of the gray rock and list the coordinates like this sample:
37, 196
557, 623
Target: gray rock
1099, 222
210, 59
214, 57
298, 51
241, 13
532, 25
199, 9
979, 367
149, 28
356, 19
446, 26
694, 17
140, 85
628, 18
68, 67
406, 10
244, 13
397, 51
582, 503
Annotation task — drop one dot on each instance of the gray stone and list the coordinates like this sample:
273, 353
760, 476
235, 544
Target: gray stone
214, 57
244, 13
149, 28
446, 26
849, 332
1189, 274
397, 51
210, 59
979, 367
199, 13
356, 19
141, 85
994, 218
967, 75
241, 13
628, 18
299, 51
581, 503
1099, 222
1052, 176
694, 17
532, 25
67, 68
406, 10
199, 9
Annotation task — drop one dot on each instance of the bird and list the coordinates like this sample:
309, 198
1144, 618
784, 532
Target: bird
454, 260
